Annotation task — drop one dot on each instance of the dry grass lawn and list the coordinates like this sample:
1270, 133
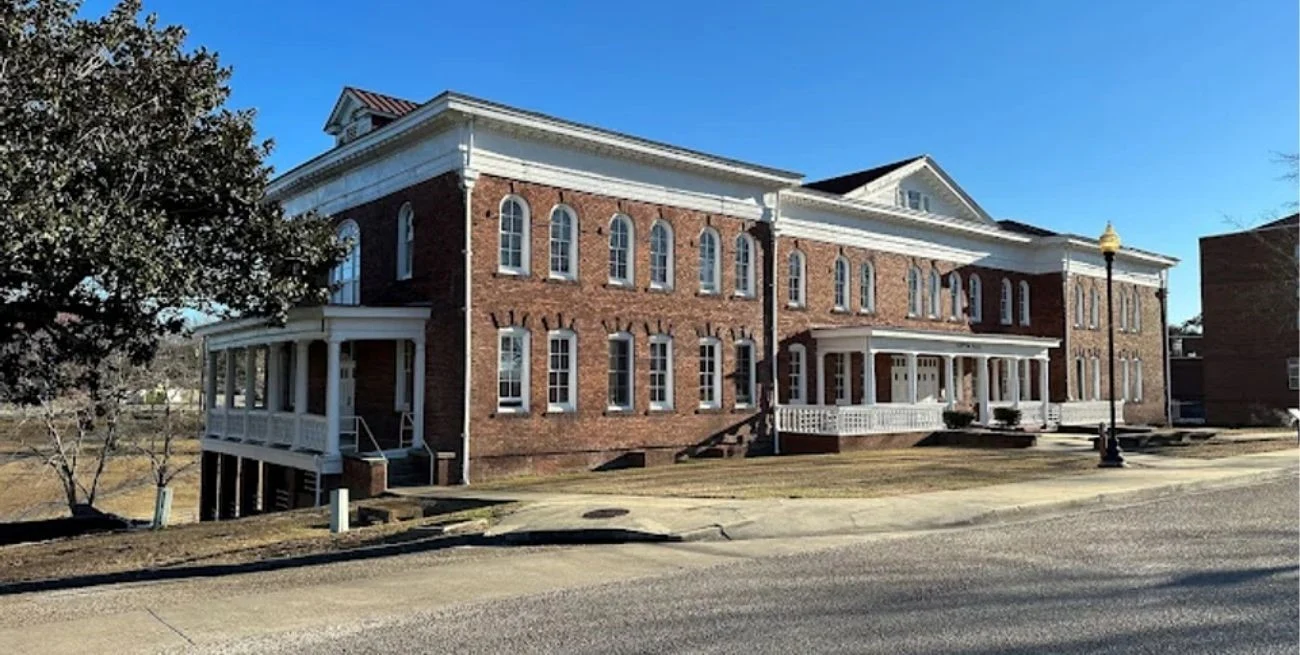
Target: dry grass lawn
861, 474
1216, 448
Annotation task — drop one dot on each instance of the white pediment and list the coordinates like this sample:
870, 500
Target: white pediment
924, 176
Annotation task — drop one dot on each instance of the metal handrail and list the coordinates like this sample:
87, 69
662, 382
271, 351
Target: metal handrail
407, 422
359, 423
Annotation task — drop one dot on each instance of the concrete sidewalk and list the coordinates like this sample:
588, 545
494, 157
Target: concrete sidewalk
586, 518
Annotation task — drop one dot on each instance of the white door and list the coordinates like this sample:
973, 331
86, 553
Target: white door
898, 379
927, 379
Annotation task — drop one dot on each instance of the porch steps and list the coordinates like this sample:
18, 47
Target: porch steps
732, 445
407, 472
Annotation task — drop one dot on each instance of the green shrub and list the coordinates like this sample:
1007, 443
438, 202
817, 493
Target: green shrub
958, 419
1006, 416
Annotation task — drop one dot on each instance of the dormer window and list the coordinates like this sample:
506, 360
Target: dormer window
913, 199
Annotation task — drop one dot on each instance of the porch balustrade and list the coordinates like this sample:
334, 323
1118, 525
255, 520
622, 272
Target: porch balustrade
1089, 412
857, 420
302, 432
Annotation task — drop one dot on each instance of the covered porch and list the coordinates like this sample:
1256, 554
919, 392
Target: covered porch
332, 380
908, 378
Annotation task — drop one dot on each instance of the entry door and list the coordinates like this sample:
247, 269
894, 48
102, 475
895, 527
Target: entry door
927, 379
898, 379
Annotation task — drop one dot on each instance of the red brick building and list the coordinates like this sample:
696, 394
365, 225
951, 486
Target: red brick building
1249, 320
528, 295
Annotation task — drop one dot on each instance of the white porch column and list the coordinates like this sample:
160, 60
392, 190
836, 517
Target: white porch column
299, 389
210, 383
273, 392
821, 378
1014, 375
250, 377
911, 378
1027, 380
982, 384
229, 383
332, 397
869, 377
417, 390
950, 388
1042, 386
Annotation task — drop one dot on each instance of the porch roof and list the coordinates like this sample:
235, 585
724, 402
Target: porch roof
857, 338
328, 322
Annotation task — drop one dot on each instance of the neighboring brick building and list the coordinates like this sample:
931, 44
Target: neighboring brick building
1186, 379
1249, 320
530, 295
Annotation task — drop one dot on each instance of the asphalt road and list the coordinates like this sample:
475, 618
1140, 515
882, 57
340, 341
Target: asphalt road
1208, 573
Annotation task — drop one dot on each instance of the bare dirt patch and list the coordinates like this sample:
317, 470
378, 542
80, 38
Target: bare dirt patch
862, 474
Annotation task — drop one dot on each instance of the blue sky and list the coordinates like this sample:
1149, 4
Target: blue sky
1162, 116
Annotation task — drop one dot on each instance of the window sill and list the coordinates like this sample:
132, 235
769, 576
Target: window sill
509, 412
659, 289
796, 306
660, 411
839, 310
743, 409
561, 411
555, 279
709, 410
510, 274
618, 411
866, 312
744, 296
706, 294
620, 286
404, 278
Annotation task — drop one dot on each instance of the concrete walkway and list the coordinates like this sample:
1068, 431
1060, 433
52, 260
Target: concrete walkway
589, 518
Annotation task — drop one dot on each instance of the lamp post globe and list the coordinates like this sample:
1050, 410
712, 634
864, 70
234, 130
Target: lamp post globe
1109, 244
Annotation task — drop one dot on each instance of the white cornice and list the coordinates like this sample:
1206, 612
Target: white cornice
901, 214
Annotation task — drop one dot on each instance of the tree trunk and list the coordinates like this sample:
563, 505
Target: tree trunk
162, 507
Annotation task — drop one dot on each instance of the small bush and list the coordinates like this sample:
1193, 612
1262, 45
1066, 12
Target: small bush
1006, 416
958, 419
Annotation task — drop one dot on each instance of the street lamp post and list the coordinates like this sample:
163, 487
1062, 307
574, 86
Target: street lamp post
1109, 244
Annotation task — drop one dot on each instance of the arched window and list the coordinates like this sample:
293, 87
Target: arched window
661, 256
798, 358
1096, 379
841, 283
1137, 381
745, 266
514, 236
1006, 304
867, 287
1024, 302
976, 305
345, 277
513, 364
1093, 309
1136, 323
954, 295
1079, 305
914, 291
563, 244
621, 256
1123, 310
1080, 380
936, 291
405, 241
795, 279
709, 261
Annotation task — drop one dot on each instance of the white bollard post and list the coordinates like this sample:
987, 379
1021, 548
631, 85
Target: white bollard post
339, 510
162, 507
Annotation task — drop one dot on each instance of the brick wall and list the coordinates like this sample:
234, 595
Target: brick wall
1248, 298
540, 442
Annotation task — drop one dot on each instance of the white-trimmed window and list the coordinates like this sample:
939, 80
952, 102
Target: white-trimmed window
710, 379
955, 296
345, 277
1080, 380
1079, 305
621, 254
976, 306
746, 374
936, 293
1006, 306
661, 255
1137, 381
916, 200
867, 287
841, 378
403, 385
620, 372
661, 372
914, 300
1293, 373
405, 241
512, 370
1096, 379
841, 284
1123, 310
561, 371
564, 246
798, 363
1136, 323
709, 268
1024, 302
1125, 379
1094, 309
745, 266
514, 236
795, 279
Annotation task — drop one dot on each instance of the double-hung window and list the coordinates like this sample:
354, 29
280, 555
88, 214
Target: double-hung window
620, 372
661, 372
709, 261
621, 251
745, 373
841, 284
710, 373
563, 244
976, 306
404, 385
795, 279
512, 370
661, 256
513, 236
345, 277
955, 295
1024, 302
405, 241
867, 287
936, 293
841, 378
914, 300
798, 362
561, 372
1007, 303
745, 266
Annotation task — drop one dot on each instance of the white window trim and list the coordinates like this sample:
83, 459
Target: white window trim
1080, 307
1078, 390
935, 285
915, 292
670, 272
1137, 380
572, 381
716, 383
348, 291
630, 280
1094, 311
524, 375
1096, 378
1124, 379
405, 241
841, 292
975, 308
716, 265
1123, 310
1025, 309
525, 249
798, 352
631, 373
956, 294
867, 288
1136, 323
403, 351
1006, 304
745, 287
801, 289
752, 373
667, 403
573, 243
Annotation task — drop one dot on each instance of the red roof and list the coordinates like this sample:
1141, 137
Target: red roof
383, 104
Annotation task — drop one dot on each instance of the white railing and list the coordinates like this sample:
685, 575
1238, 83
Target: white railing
406, 433
1031, 411
855, 420
1088, 412
313, 433
307, 432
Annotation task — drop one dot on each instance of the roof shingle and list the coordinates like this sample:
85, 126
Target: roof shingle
383, 104
846, 183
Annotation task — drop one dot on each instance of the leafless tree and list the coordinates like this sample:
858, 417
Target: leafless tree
167, 389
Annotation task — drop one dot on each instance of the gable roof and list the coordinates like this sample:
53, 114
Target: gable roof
1025, 228
381, 103
1293, 219
846, 183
